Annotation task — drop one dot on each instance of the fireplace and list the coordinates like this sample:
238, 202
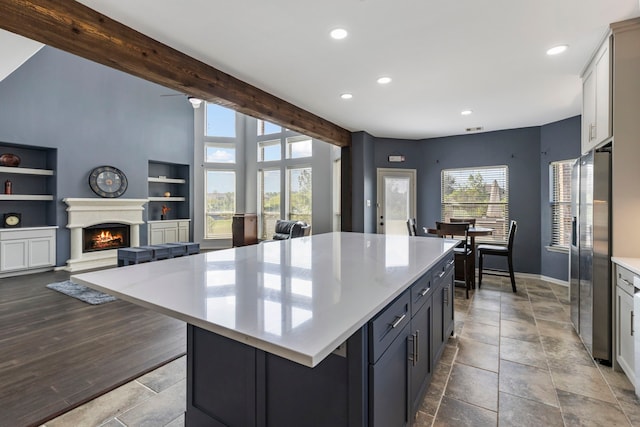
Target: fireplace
92, 215
101, 237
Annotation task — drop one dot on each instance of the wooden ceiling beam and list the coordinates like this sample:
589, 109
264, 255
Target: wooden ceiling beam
75, 28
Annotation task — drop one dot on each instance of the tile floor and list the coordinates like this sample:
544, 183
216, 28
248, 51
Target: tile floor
515, 361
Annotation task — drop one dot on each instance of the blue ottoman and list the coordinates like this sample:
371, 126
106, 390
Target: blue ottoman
192, 248
127, 256
159, 252
176, 249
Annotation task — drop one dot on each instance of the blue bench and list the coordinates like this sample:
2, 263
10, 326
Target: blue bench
192, 248
159, 252
128, 256
137, 255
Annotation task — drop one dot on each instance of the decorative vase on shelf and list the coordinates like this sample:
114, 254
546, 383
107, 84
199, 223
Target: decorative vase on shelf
8, 159
8, 187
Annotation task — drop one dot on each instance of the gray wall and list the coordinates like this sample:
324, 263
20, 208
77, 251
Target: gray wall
558, 141
526, 151
94, 116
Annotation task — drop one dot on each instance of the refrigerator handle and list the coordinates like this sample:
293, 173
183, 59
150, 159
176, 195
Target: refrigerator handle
574, 231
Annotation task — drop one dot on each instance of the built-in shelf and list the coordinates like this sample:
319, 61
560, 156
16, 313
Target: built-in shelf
166, 199
167, 180
25, 171
27, 197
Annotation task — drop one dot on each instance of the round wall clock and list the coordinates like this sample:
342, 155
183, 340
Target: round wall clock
107, 181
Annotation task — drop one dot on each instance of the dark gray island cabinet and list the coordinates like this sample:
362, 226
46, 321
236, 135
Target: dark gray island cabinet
335, 329
377, 378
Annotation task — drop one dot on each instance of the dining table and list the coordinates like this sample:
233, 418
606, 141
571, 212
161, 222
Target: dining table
472, 233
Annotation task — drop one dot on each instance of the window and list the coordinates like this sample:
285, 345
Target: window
220, 203
481, 193
560, 200
298, 147
269, 151
267, 128
220, 153
269, 203
219, 121
299, 197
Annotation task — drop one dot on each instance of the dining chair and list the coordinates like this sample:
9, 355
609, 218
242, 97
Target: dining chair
463, 252
471, 221
411, 227
498, 250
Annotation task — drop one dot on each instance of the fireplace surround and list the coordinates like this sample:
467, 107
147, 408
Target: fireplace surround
88, 212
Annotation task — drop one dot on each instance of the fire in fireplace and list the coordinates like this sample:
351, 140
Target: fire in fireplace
101, 237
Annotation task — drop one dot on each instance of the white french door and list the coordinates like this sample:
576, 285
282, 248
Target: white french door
396, 200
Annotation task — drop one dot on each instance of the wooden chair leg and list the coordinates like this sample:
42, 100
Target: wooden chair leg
513, 279
480, 257
466, 277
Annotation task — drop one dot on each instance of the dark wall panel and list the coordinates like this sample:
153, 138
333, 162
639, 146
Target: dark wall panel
558, 141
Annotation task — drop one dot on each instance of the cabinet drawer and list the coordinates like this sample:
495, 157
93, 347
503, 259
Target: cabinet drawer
27, 234
442, 269
624, 279
420, 292
387, 325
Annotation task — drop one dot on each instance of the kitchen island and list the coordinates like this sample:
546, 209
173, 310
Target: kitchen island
333, 329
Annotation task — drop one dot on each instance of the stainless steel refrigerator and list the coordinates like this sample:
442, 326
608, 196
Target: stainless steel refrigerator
590, 259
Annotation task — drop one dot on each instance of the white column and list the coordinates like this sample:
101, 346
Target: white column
76, 243
134, 235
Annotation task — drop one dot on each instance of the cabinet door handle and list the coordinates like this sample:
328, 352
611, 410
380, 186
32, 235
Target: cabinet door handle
440, 275
451, 262
446, 294
631, 323
398, 320
416, 356
412, 356
424, 292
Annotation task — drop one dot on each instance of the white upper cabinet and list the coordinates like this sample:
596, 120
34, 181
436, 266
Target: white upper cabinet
596, 99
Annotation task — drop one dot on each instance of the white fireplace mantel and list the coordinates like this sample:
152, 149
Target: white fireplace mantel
85, 212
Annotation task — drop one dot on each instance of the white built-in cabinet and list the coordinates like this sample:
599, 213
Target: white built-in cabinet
624, 316
27, 250
596, 98
168, 231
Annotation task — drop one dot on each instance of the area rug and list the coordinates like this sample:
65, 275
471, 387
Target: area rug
88, 295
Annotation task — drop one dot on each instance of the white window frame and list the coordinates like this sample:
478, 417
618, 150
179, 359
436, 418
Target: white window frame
499, 224
560, 204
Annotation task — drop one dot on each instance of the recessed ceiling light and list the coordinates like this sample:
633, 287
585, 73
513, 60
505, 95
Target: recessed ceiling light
384, 80
339, 33
346, 96
466, 112
556, 50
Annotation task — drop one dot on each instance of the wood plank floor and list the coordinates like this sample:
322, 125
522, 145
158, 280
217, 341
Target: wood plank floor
57, 352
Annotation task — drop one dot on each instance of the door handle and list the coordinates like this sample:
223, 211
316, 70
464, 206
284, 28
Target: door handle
416, 356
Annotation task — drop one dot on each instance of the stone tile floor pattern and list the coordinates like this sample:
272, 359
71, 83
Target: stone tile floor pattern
515, 361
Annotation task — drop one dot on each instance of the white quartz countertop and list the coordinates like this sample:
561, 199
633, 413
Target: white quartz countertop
632, 264
299, 299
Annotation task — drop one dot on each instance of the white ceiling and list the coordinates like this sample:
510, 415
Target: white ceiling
444, 56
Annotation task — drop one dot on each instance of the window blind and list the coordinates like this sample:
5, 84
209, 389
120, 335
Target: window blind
560, 199
480, 193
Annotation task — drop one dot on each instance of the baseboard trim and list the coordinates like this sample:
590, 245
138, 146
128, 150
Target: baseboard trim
540, 277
